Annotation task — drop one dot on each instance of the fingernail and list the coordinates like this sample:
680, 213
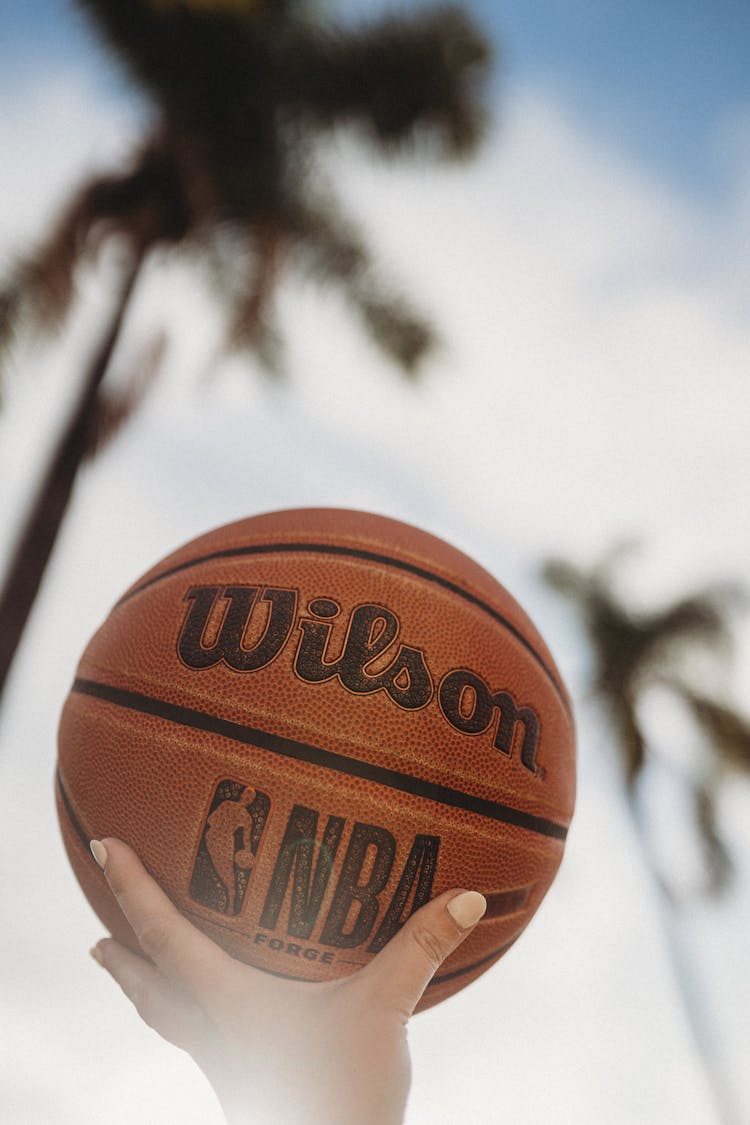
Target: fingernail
96, 953
99, 852
467, 908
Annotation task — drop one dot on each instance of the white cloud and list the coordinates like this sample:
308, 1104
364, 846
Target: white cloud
53, 134
595, 381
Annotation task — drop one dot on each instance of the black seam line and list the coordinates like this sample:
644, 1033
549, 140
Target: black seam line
75, 822
476, 965
316, 755
369, 556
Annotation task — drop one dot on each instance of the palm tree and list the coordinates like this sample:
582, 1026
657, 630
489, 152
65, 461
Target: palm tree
242, 92
637, 653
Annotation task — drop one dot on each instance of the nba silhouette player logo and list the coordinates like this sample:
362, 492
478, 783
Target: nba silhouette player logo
229, 843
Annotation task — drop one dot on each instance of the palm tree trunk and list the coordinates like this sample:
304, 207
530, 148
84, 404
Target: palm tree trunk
39, 534
695, 1005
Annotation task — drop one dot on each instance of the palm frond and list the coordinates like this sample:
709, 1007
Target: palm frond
404, 79
618, 639
727, 731
718, 861
566, 579
633, 645
11, 303
332, 250
142, 204
259, 263
631, 743
114, 408
702, 618
235, 66
38, 290
400, 333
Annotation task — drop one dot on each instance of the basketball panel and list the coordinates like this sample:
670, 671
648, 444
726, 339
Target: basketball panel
167, 821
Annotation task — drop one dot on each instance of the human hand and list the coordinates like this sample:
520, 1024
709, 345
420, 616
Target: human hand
276, 1050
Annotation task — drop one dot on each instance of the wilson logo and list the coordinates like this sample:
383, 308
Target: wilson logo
246, 628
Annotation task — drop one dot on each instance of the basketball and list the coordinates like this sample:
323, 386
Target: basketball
309, 723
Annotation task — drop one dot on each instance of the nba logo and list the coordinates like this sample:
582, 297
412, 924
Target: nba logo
229, 843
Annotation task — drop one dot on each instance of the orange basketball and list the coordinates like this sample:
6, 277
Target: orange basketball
307, 724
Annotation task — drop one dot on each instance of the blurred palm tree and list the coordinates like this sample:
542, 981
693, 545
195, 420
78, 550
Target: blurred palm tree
639, 652
242, 93
643, 662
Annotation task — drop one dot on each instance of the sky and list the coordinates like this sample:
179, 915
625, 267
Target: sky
590, 275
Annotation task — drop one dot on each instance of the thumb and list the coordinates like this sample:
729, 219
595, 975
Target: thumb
403, 969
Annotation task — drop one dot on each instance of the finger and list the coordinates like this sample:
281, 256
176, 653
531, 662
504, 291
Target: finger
403, 969
160, 1004
184, 955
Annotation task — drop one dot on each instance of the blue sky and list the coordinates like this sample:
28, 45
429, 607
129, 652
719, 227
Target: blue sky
658, 76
